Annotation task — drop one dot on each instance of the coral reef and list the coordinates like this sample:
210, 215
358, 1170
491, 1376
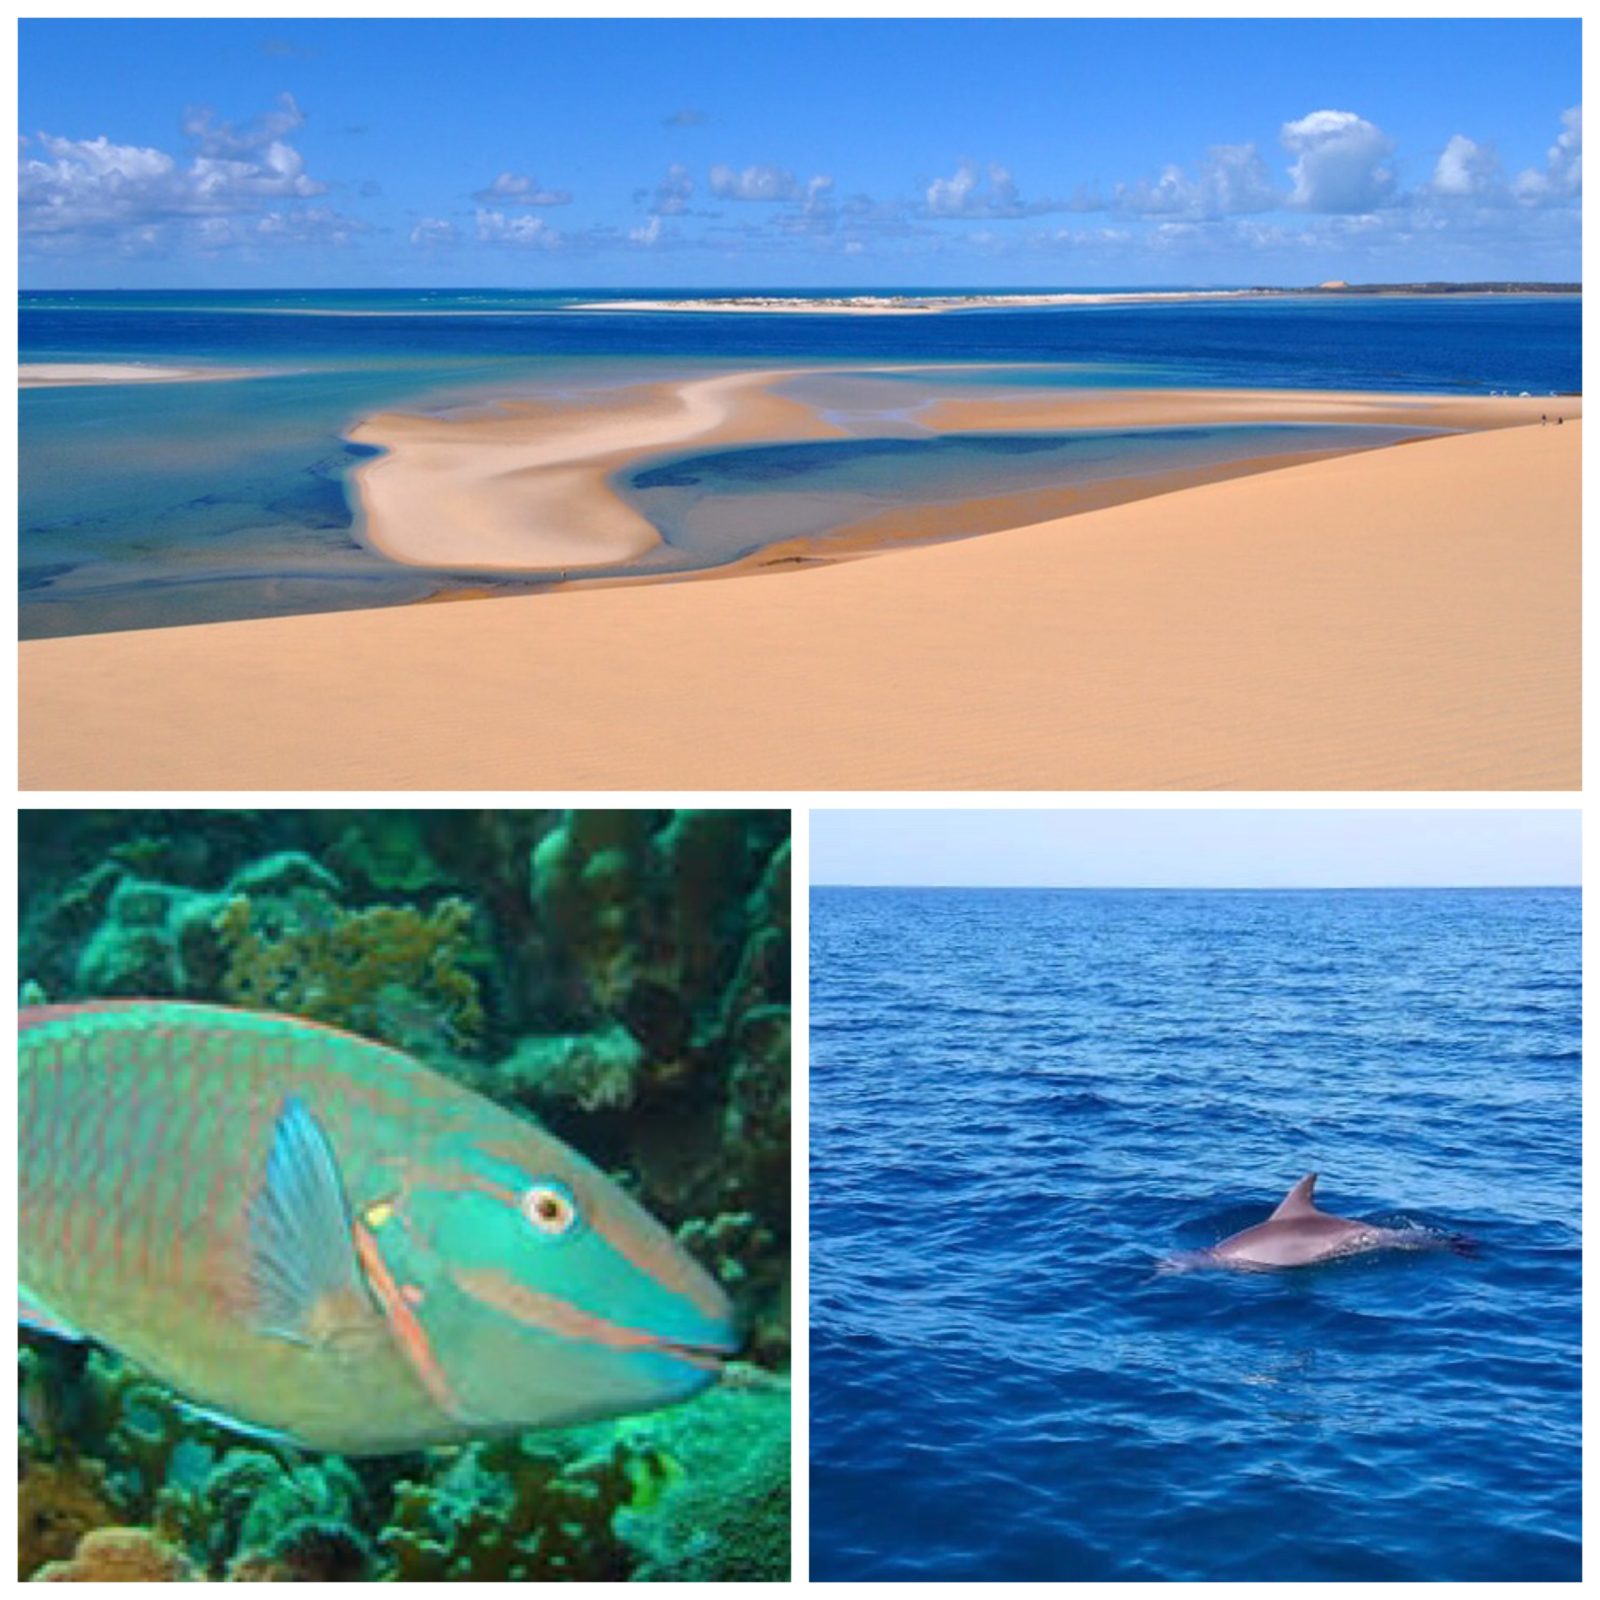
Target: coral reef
387, 972
724, 1515
120, 1555
622, 976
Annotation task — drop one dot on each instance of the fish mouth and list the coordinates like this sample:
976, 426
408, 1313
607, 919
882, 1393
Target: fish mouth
709, 1357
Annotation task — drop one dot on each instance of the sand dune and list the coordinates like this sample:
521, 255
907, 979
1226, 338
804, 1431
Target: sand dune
1402, 619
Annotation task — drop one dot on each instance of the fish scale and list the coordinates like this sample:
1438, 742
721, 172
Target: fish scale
317, 1235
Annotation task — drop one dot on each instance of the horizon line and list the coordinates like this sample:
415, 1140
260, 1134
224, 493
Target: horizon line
1213, 888
1569, 285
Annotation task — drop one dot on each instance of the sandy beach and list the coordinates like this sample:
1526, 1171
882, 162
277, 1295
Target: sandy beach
68, 374
1406, 618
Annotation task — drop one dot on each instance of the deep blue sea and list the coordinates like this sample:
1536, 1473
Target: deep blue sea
146, 505
1022, 1100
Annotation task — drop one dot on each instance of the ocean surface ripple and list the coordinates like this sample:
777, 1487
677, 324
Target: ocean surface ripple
1023, 1100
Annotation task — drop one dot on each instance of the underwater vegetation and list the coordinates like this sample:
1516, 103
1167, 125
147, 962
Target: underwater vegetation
621, 977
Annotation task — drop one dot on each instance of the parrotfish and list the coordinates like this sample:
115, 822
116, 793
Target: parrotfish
314, 1236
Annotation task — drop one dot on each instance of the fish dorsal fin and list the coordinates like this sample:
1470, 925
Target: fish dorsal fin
1298, 1202
303, 1277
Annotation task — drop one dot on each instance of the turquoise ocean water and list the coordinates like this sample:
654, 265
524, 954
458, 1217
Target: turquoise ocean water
157, 504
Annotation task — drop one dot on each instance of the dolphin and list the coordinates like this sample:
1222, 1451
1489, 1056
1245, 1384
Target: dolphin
1298, 1235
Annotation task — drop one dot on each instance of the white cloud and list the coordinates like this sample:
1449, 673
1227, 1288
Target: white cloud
530, 233
1562, 177
960, 195
754, 183
518, 189
1342, 162
1233, 179
990, 193
1465, 167
145, 199
671, 196
224, 139
648, 233
310, 225
432, 232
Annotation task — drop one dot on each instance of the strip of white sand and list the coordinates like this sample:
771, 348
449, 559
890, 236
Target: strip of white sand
913, 305
74, 374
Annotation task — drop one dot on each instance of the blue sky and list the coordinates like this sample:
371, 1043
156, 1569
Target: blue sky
289, 152
1196, 848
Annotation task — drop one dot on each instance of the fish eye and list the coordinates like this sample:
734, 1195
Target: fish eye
549, 1206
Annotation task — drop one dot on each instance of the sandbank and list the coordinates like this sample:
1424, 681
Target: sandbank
869, 305
526, 487
69, 374
1406, 618
522, 487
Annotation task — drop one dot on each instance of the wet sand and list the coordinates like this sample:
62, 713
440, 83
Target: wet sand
1406, 618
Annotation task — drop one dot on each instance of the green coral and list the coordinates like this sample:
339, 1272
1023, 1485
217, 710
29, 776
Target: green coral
726, 1516
512, 1511
388, 972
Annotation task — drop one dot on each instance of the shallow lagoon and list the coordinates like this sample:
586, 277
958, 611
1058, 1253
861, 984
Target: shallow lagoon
725, 503
148, 505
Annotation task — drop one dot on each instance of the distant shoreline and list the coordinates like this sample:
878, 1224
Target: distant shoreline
932, 304
884, 303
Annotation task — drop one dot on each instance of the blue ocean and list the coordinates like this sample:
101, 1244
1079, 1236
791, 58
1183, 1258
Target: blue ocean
147, 505
1022, 1101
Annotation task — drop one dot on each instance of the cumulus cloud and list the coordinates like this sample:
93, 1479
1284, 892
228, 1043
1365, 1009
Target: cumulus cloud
1342, 162
1233, 179
71, 189
762, 183
990, 193
311, 225
670, 197
1465, 168
647, 233
524, 232
225, 139
518, 189
433, 232
964, 195
1562, 178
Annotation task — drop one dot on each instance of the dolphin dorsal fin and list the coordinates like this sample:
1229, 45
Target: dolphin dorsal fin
1298, 1202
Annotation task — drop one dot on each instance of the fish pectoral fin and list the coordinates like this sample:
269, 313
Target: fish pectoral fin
303, 1279
32, 1314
